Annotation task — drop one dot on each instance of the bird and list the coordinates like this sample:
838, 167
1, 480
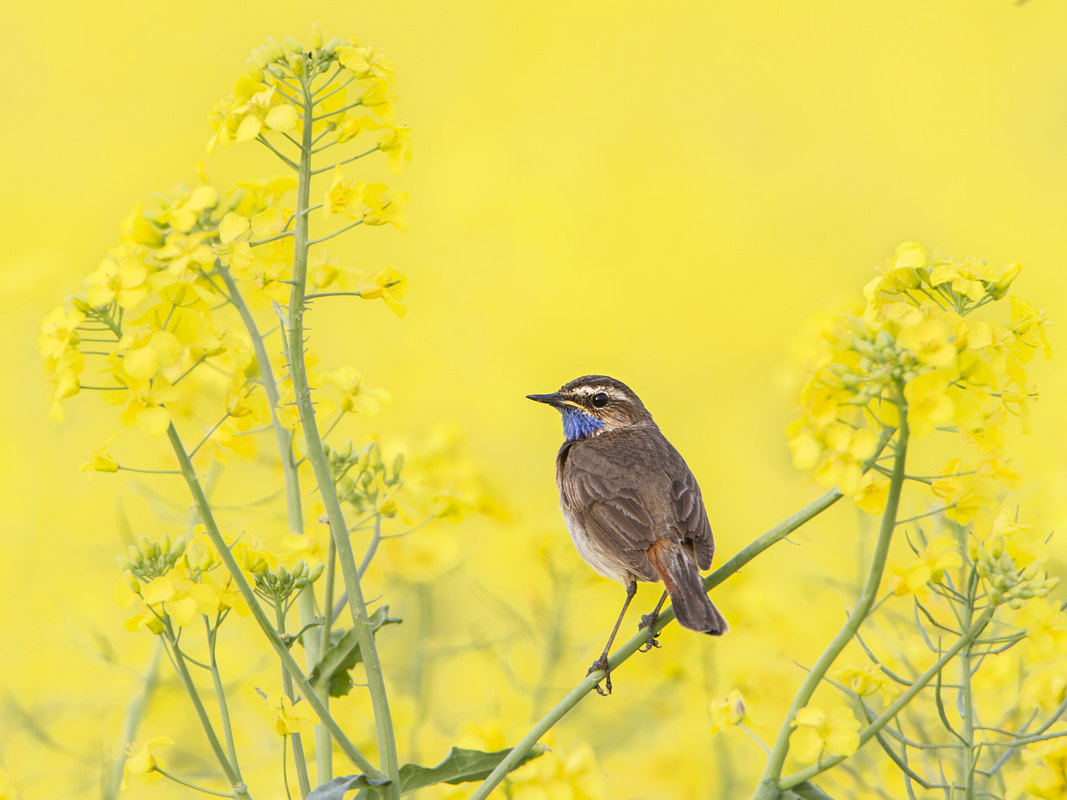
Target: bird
632, 505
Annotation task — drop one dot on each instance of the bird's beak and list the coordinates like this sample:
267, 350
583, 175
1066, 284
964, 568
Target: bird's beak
551, 399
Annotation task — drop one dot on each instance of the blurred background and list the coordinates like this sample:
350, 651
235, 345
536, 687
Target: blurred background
674, 196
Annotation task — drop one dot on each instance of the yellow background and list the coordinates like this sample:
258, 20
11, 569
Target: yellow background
673, 196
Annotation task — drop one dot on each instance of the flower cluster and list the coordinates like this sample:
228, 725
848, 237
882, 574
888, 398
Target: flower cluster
915, 350
175, 583
351, 91
164, 314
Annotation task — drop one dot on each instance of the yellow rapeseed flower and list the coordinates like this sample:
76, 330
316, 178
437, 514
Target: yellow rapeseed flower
291, 717
817, 732
141, 762
727, 711
939, 554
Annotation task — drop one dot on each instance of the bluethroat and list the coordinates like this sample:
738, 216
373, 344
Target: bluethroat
631, 504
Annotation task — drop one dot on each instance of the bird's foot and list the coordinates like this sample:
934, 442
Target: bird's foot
601, 664
649, 621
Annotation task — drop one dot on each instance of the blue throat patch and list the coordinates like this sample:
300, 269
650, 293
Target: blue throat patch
577, 424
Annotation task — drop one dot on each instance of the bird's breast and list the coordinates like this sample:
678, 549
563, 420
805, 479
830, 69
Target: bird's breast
589, 550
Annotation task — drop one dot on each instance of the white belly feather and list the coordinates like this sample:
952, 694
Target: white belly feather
591, 552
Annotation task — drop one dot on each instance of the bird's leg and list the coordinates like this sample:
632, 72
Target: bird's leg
649, 621
602, 662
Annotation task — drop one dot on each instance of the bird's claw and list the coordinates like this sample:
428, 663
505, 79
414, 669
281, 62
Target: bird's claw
601, 665
648, 621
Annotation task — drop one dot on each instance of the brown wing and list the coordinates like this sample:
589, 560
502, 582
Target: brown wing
691, 519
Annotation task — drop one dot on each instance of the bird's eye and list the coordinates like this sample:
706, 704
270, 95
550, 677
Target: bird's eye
599, 400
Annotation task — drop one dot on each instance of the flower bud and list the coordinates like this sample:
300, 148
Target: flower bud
293, 44
332, 45
164, 544
254, 70
124, 564
136, 556
316, 36
316, 572
1000, 286
274, 50
258, 58
296, 64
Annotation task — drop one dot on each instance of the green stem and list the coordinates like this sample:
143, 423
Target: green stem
233, 774
317, 456
895, 708
298, 743
293, 504
767, 788
220, 693
968, 751
249, 595
283, 435
771, 537
178, 780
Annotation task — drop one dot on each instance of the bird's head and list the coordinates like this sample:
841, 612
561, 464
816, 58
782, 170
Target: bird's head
595, 404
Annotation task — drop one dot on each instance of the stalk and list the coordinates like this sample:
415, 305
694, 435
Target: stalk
767, 789
249, 595
317, 457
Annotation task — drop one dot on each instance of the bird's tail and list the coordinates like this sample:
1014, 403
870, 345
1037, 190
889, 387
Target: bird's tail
679, 573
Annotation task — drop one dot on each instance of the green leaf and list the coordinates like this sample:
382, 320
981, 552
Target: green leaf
809, 791
338, 787
343, 654
460, 766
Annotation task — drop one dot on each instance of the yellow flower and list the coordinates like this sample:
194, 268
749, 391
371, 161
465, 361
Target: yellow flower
63, 378
396, 144
385, 207
101, 461
141, 763
1044, 774
562, 773
145, 352
186, 206
932, 340
357, 397
816, 733
120, 278
929, 404
963, 278
365, 62
145, 405
344, 198
899, 274
727, 711
185, 253
939, 554
867, 680
1046, 627
390, 285
291, 717
232, 226
59, 332
1028, 324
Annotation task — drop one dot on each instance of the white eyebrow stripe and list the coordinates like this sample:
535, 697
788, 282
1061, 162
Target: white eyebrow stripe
586, 390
